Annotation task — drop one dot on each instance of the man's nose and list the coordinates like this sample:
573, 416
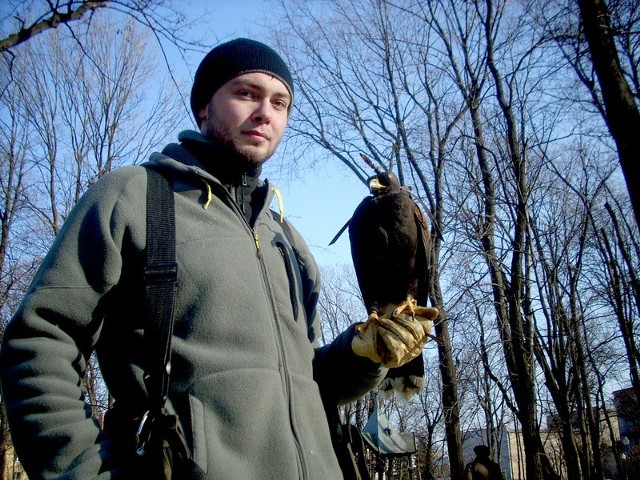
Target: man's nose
262, 112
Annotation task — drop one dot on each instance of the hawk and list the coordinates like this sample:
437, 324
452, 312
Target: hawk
390, 248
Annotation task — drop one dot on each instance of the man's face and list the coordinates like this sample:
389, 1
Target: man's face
248, 115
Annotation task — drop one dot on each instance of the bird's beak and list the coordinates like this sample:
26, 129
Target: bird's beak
375, 186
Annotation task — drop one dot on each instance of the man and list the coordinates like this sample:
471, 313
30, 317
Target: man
247, 376
483, 467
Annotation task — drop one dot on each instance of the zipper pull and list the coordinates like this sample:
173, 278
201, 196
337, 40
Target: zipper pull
256, 239
242, 192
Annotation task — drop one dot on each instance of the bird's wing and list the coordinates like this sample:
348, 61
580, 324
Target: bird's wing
408, 380
423, 256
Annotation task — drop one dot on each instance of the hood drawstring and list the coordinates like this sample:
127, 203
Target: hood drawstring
205, 205
276, 192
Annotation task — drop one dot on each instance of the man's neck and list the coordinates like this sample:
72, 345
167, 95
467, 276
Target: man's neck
219, 161
240, 179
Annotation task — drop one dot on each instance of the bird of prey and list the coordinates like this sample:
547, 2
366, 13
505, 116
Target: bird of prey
390, 248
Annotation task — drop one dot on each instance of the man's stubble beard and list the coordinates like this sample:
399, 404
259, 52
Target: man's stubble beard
216, 131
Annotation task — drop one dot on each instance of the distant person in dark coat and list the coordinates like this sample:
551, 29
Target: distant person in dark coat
483, 467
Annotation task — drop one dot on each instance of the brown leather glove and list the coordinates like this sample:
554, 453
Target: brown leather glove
395, 338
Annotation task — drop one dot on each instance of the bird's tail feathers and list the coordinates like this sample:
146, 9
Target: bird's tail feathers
406, 387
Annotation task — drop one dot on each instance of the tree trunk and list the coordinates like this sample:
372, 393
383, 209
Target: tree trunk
622, 115
518, 344
4, 442
450, 403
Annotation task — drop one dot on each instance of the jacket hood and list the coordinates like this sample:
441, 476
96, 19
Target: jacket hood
198, 158
197, 155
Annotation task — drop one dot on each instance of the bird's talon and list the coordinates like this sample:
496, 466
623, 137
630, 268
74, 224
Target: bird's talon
409, 304
373, 318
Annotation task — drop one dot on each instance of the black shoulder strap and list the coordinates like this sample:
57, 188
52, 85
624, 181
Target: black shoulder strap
160, 277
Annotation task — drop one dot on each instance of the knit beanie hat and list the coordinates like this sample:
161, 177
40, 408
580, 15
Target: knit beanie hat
230, 59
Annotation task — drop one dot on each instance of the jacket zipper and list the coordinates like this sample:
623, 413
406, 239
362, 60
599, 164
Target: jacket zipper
278, 329
283, 359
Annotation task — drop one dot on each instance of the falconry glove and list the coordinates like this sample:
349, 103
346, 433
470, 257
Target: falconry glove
395, 338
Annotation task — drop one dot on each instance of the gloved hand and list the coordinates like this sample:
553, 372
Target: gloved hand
395, 338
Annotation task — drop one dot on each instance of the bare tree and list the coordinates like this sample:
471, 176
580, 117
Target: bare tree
88, 112
429, 429
598, 39
562, 248
625, 278
70, 113
621, 108
167, 21
472, 106
25, 20
474, 40
52, 15
13, 165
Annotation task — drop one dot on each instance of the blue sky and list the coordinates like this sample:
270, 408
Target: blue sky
320, 200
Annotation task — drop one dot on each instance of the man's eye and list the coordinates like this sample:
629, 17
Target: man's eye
245, 93
280, 104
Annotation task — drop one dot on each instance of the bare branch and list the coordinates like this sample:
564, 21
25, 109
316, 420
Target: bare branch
55, 19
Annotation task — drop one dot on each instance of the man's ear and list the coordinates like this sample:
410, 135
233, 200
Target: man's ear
202, 117
202, 114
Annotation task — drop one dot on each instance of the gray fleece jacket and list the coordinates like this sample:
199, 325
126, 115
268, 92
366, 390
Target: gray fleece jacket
247, 372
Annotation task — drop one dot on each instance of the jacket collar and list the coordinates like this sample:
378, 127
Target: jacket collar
211, 156
244, 185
